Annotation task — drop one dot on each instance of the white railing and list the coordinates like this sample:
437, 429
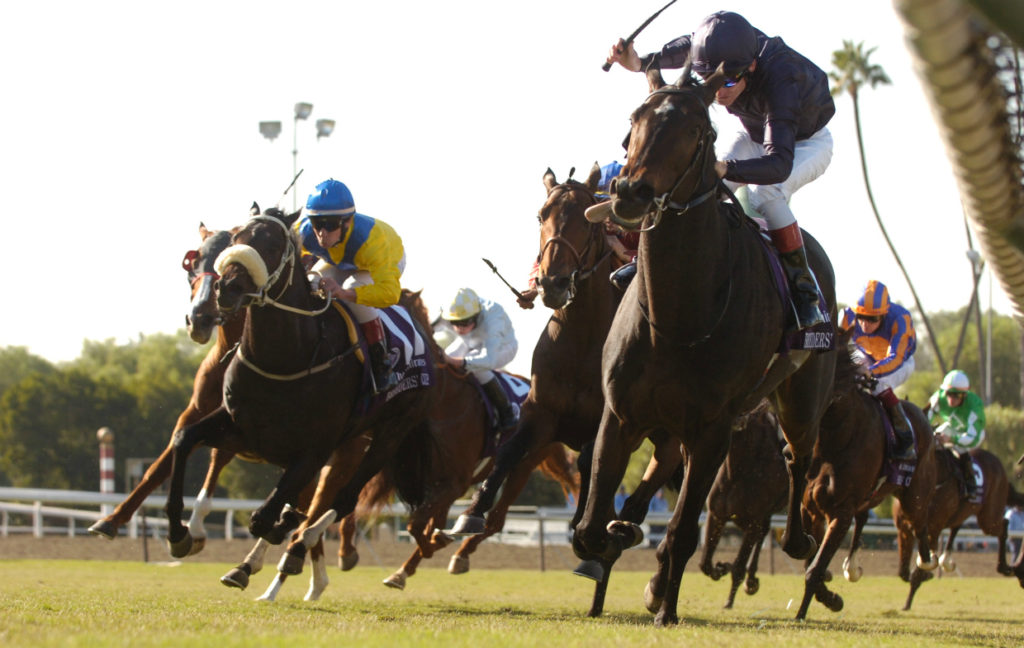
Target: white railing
533, 526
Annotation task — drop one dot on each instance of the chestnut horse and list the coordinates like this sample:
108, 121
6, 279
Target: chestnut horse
696, 340
295, 369
848, 476
459, 426
752, 484
949, 509
565, 400
207, 388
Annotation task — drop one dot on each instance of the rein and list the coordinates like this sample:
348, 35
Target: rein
664, 204
579, 274
324, 366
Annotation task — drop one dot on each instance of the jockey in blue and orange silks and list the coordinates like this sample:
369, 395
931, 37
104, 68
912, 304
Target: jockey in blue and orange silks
884, 335
360, 260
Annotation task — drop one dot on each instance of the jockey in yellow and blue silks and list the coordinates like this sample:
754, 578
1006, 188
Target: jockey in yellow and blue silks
884, 335
360, 260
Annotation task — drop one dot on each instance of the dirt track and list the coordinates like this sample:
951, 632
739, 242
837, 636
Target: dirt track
390, 554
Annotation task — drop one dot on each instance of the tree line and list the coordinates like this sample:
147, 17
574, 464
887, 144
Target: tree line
49, 413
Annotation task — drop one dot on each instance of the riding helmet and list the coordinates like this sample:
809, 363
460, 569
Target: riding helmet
956, 381
330, 198
723, 37
465, 305
874, 301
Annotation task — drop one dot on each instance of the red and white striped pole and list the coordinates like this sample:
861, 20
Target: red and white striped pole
106, 438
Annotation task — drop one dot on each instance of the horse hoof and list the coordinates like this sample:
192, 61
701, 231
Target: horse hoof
236, 578
651, 602
348, 561
628, 531
590, 569
934, 562
852, 573
396, 580
104, 529
836, 604
752, 587
441, 539
467, 525
458, 565
180, 548
198, 543
290, 565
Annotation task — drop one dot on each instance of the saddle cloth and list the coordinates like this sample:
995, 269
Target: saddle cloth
407, 355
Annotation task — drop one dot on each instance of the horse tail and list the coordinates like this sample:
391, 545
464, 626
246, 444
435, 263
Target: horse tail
410, 471
1014, 498
558, 465
375, 495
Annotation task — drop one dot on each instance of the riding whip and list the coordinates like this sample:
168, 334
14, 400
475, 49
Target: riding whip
490, 265
625, 44
292, 183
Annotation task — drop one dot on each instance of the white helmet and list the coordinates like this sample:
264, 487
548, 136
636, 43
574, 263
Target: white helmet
956, 381
465, 305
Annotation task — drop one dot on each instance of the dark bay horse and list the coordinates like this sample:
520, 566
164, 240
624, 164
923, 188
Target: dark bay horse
848, 477
751, 485
565, 400
207, 388
695, 342
295, 369
949, 510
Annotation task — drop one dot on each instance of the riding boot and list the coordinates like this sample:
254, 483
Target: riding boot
802, 283
623, 275
967, 467
380, 365
905, 442
507, 415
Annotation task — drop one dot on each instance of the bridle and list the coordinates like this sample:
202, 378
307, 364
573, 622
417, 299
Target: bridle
580, 273
664, 204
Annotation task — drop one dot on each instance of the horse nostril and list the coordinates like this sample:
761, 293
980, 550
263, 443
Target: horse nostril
645, 192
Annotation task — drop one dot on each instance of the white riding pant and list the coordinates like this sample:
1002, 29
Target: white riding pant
351, 279
890, 381
810, 159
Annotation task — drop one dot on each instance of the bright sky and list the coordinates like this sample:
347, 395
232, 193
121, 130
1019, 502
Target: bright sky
126, 124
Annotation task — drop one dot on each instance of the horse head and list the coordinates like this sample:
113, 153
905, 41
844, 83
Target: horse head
670, 152
261, 264
203, 314
570, 246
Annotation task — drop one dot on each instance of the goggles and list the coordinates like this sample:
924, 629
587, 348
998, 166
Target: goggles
730, 82
871, 319
326, 223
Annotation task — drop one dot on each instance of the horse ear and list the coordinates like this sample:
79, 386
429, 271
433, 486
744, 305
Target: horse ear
203, 232
290, 219
713, 83
255, 209
549, 180
594, 178
685, 76
654, 78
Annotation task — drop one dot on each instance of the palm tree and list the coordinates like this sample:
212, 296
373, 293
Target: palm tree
851, 71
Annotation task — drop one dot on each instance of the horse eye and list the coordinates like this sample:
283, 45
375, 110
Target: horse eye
540, 219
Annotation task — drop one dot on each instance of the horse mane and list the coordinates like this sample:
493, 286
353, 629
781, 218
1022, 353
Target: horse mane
850, 376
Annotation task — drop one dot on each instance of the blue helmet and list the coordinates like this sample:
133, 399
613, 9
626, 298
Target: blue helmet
723, 37
330, 198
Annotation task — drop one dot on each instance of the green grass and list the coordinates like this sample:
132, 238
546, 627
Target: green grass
87, 603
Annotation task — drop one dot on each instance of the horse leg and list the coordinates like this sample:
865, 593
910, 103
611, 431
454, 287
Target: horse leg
663, 463
795, 542
946, 559
814, 577
155, 475
753, 584
712, 534
472, 520
495, 522
204, 500
851, 570
703, 460
268, 521
239, 576
348, 555
318, 579
212, 430
916, 578
739, 566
